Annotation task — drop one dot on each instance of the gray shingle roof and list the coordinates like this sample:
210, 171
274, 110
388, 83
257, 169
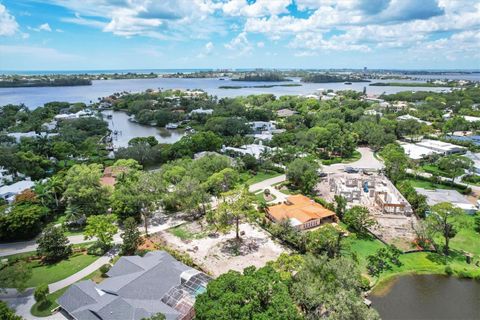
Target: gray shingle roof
137, 287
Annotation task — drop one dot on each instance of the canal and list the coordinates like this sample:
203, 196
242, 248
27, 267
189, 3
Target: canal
428, 297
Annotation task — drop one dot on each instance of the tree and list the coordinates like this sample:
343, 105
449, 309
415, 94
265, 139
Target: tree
84, 191
454, 165
148, 189
303, 174
222, 181
443, 220
383, 259
41, 293
192, 196
6, 313
236, 205
396, 162
326, 239
340, 205
330, 288
22, 221
257, 294
53, 245
130, 236
15, 275
287, 265
358, 218
102, 227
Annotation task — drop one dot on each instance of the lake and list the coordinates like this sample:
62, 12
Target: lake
429, 297
128, 130
35, 97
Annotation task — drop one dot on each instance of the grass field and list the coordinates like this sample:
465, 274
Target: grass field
44, 310
430, 185
46, 274
260, 176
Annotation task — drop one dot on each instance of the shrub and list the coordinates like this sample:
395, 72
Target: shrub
448, 270
464, 274
104, 269
97, 249
364, 283
41, 293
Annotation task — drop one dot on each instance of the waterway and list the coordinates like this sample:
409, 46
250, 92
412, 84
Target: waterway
37, 96
127, 130
429, 297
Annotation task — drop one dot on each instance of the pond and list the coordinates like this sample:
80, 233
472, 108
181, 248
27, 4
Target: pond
428, 297
127, 130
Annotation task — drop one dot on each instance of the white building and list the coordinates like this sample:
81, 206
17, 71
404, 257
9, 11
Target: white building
260, 126
471, 119
452, 196
255, 150
426, 147
9, 192
31, 134
409, 117
201, 111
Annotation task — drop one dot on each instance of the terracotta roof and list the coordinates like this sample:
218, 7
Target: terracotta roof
114, 171
301, 208
107, 181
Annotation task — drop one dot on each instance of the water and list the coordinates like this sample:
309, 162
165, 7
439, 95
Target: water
128, 130
35, 97
429, 297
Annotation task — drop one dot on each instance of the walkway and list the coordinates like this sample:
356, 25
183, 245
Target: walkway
269, 184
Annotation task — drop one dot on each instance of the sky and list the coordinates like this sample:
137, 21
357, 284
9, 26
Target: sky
172, 34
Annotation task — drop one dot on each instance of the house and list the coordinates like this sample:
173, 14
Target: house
409, 117
302, 212
201, 111
136, 288
255, 150
428, 147
9, 192
260, 126
110, 175
471, 119
452, 196
31, 134
285, 113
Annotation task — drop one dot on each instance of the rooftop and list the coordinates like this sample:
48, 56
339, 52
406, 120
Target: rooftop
299, 208
137, 288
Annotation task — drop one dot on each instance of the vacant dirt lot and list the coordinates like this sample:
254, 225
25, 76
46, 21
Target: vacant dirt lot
221, 253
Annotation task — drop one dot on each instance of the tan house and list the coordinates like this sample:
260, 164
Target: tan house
302, 212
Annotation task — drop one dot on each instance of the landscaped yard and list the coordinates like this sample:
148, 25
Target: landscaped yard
46, 274
430, 185
260, 176
43, 310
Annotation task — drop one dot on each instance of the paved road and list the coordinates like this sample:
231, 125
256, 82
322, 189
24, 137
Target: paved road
159, 223
268, 184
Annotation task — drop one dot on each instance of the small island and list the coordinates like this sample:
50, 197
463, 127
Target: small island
449, 84
16, 82
262, 86
328, 77
262, 76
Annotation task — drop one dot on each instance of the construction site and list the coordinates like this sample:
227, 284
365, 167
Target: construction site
393, 213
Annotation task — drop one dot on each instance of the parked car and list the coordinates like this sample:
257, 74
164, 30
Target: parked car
351, 170
322, 174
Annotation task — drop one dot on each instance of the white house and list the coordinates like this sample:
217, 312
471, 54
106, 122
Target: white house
9, 192
409, 117
201, 111
255, 150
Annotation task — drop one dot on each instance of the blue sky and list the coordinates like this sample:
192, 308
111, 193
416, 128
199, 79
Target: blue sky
146, 34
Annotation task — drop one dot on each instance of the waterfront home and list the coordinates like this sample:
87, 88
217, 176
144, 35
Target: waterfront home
452, 196
201, 111
255, 150
138, 288
9, 192
302, 213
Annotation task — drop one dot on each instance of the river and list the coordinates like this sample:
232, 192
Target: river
127, 130
429, 297
37, 96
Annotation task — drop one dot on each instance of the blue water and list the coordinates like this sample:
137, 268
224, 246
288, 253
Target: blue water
37, 96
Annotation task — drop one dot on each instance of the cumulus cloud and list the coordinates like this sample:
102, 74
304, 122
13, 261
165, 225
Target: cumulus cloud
8, 24
44, 27
207, 50
240, 45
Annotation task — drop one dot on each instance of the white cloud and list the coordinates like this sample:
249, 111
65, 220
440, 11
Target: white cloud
38, 52
44, 27
255, 9
240, 45
260, 44
8, 24
207, 50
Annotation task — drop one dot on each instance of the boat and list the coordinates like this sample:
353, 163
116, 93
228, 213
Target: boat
349, 83
171, 126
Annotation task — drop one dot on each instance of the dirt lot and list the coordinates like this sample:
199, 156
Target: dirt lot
221, 253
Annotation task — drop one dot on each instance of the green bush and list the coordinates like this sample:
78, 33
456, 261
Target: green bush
104, 269
448, 270
41, 293
97, 249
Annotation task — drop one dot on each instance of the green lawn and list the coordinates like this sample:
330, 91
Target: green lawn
46, 274
44, 310
355, 157
183, 233
433, 169
430, 185
260, 176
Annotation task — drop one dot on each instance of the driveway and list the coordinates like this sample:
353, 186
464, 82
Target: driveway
268, 184
366, 162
